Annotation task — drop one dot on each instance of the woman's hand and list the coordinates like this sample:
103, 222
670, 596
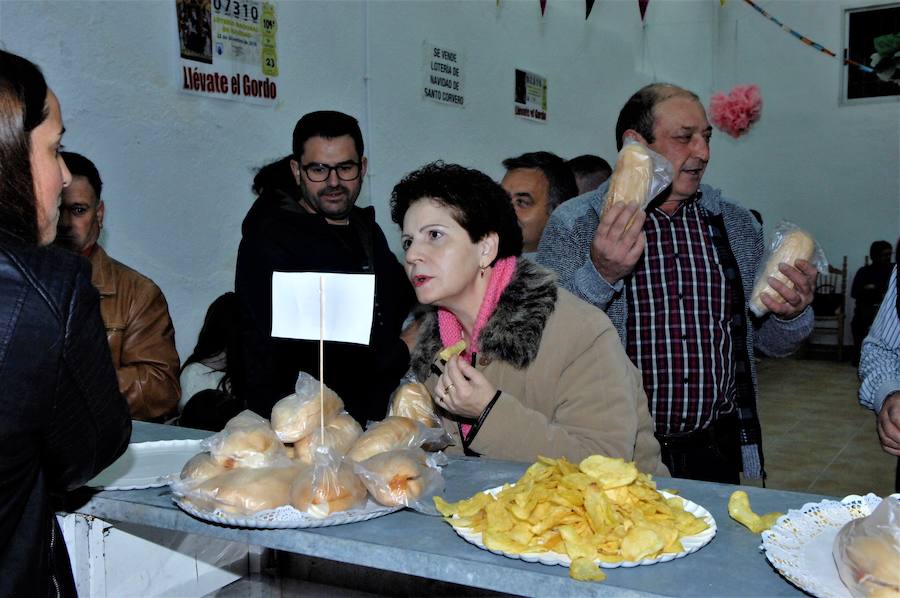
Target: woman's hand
463, 390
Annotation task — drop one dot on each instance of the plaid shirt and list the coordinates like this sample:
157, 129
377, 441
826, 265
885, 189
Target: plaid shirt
566, 248
680, 321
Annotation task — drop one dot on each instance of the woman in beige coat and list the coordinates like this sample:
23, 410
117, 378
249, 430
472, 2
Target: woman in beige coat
543, 373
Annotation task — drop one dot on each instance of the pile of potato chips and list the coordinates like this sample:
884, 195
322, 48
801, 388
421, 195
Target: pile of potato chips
602, 510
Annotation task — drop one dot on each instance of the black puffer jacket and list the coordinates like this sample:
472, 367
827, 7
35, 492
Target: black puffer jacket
279, 235
62, 419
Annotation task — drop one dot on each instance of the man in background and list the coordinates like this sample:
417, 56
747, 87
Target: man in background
537, 183
316, 227
590, 172
138, 327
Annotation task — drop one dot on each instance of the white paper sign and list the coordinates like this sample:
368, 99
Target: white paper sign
349, 304
442, 75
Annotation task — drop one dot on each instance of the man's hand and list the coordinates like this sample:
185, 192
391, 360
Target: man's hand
614, 249
803, 275
889, 424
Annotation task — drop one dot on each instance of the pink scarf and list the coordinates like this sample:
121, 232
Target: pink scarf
452, 330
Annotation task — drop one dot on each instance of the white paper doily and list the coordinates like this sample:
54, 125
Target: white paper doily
146, 465
287, 517
689, 543
799, 545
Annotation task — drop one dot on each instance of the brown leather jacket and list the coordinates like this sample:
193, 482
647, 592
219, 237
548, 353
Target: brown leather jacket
141, 337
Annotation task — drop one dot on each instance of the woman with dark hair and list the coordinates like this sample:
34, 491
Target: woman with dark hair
543, 373
62, 419
207, 398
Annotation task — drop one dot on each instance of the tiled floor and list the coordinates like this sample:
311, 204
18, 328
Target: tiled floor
816, 436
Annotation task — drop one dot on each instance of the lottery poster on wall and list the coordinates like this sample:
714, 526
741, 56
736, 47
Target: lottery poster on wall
228, 50
530, 96
443, 75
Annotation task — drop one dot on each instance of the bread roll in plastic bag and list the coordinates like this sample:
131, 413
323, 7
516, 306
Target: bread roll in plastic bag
297, 415
340, 434
639, 176
391, 433
242, 492
789, 243
402, 478
246, 441
413, 400
200, 468
867, 552
329, 486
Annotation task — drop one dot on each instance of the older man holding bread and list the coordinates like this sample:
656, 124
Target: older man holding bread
676, 281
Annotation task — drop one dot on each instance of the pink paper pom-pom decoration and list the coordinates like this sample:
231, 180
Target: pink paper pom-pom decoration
736, 112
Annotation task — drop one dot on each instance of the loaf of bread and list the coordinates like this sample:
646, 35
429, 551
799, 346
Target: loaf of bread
394, 478
340, 434
321, 491
200, 468
246, 441
867, 552
795, 245
630, 180
295, 417
245, 492
414, 401
391, 433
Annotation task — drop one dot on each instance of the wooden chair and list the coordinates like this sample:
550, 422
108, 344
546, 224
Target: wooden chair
830, 304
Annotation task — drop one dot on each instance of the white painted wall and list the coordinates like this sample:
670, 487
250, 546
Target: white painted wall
177, 168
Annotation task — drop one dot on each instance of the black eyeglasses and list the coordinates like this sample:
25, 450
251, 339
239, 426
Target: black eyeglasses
317, 172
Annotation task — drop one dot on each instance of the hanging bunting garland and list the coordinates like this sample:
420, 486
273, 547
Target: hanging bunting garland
806, 40
589, 6
642, 6
543, 6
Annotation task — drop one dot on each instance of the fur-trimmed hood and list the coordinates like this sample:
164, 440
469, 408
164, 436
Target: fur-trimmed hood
513, 332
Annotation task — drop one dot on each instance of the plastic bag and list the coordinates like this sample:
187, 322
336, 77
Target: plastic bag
392, 433
639, 176
246, 441
412, 400
242, 492
340, 434
296, 416
867, 552
329, 486
403, 477
789, 243
200, 468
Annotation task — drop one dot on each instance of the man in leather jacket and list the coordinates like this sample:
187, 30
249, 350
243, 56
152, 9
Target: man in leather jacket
138, 327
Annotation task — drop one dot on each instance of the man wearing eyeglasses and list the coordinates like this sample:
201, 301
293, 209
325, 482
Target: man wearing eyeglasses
316, 227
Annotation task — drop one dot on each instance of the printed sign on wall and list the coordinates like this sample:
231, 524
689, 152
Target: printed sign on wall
228, 49
443, 75
530, 96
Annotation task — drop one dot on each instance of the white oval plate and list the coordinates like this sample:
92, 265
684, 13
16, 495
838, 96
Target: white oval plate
287, 517
690, 543
146, 465
800, 543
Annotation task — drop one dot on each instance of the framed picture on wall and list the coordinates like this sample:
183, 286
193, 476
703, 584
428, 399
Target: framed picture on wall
871, 38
